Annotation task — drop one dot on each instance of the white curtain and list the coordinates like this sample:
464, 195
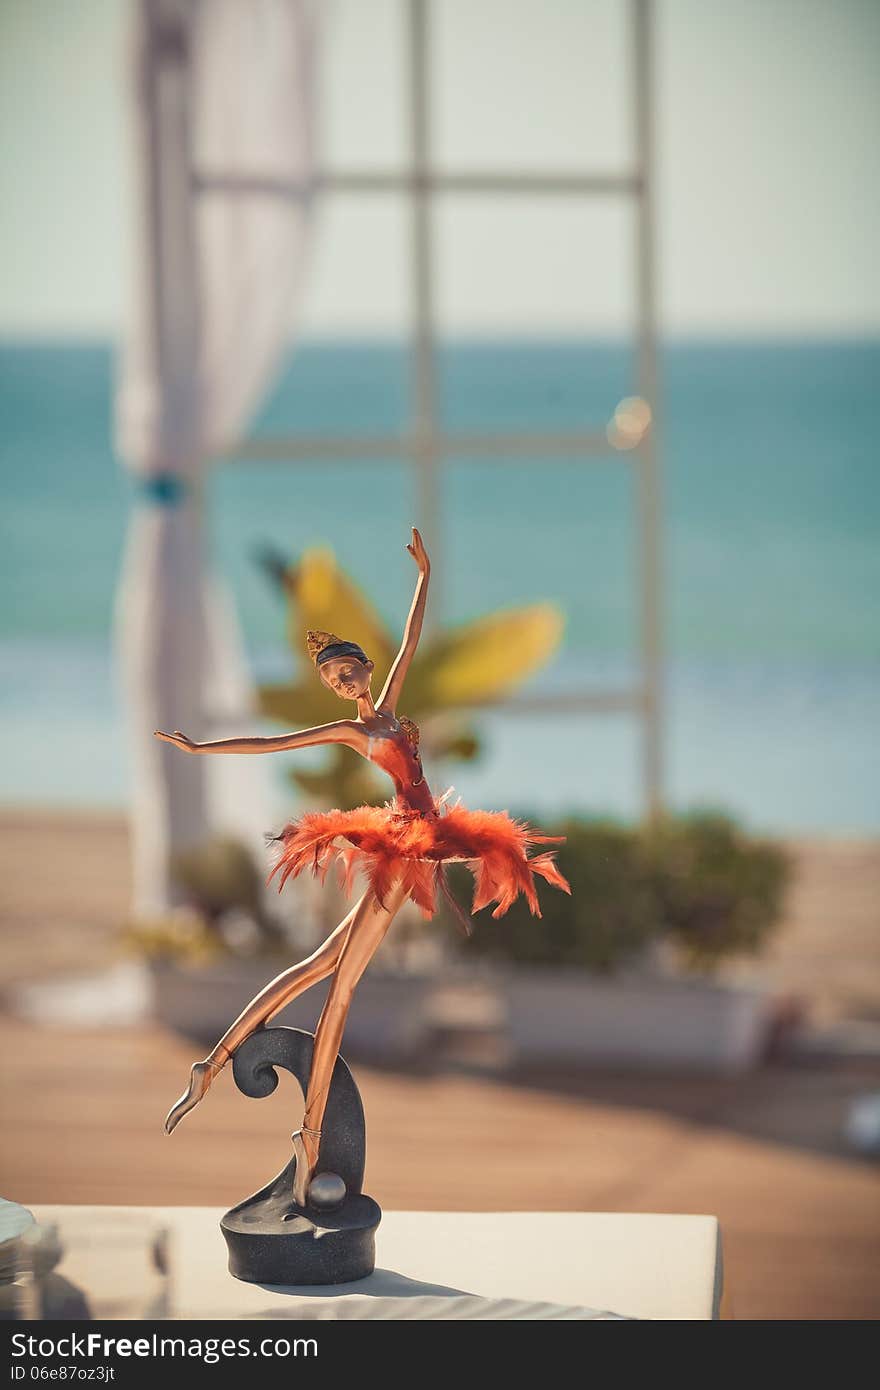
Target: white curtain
223, 160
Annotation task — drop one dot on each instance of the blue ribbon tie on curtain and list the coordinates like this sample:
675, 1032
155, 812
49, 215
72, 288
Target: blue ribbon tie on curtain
162, 489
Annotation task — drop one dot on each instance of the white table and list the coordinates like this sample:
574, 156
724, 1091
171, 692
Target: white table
642, 1266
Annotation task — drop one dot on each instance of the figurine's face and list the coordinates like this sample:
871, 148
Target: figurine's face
347, 676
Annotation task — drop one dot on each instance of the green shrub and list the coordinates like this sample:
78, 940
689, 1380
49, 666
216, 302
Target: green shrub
719, 892
609, 916
696, 881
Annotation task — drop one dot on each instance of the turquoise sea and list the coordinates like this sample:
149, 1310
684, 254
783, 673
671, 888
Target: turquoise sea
772, 522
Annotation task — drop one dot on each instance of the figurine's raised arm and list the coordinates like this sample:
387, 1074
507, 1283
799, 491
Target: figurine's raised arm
397, 675
340, 731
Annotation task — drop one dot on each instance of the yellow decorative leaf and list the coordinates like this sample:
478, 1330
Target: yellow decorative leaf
325, 598
482, 660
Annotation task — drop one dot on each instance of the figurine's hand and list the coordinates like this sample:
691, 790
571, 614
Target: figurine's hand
179, 740
417, 550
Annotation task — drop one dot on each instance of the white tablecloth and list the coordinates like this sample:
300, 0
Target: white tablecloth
642, 1266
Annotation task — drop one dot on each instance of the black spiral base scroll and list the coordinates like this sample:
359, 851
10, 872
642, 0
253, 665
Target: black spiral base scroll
270, 1239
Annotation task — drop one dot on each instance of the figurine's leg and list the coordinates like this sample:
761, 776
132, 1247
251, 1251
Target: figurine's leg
270, 1001
369, 925
285, 987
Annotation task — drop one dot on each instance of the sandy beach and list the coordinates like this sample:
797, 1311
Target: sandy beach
765, 1153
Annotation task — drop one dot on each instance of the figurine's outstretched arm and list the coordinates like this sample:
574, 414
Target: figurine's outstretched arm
340, 731
397, 675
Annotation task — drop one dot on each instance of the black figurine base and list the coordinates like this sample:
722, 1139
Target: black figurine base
270, 1239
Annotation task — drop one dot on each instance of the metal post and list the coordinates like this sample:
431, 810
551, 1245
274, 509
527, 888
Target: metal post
424, 422
648, 469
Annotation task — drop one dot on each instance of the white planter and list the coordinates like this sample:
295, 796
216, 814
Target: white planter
634, 1021
388, 1018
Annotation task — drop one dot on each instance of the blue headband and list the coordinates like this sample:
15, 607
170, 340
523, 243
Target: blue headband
337, 649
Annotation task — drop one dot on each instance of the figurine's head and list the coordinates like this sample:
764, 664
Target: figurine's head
344, 667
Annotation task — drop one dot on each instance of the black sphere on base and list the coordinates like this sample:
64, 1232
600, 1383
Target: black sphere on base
270, 1239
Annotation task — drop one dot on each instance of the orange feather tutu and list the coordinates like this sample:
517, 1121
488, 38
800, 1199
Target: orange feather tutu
388, 844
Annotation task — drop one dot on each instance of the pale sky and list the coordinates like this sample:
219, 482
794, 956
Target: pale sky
768, 195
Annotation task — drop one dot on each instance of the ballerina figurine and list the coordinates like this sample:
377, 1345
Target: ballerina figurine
402, 847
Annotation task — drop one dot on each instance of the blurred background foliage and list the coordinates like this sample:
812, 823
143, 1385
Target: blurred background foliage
695, 883
223, 910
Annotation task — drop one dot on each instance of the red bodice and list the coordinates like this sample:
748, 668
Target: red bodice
395, 754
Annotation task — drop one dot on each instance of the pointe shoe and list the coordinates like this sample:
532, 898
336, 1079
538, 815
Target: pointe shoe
302, 1176
201, 1076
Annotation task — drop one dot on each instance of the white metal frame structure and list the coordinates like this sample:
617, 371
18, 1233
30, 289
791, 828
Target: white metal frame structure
425, 444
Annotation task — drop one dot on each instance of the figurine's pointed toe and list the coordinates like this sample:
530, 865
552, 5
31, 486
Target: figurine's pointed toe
174, 1116
200, 1080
